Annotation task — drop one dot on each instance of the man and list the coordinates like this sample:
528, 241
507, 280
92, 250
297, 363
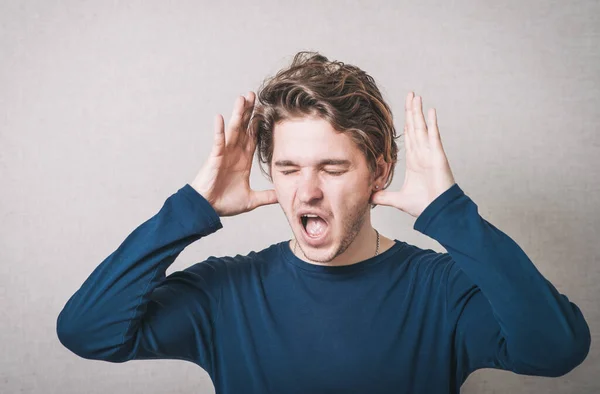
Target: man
339, 308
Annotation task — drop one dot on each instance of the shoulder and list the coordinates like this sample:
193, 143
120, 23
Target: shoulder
427, 260
437, 270
442, 269
235, 264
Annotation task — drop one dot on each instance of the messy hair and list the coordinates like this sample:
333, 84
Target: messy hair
341, 94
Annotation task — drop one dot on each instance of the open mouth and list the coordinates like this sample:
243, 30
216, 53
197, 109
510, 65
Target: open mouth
315, 227
303, 220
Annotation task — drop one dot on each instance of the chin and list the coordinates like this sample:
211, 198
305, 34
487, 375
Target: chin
320, 256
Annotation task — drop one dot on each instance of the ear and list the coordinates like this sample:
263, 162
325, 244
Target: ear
382, 171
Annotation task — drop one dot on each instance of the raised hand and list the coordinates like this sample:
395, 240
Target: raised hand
224, 180
428, 172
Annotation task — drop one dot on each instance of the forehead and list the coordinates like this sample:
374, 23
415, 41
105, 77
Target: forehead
311, 140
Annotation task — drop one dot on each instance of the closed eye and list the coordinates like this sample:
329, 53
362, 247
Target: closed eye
334, 173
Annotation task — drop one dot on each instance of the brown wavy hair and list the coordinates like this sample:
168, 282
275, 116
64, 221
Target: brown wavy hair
342, 94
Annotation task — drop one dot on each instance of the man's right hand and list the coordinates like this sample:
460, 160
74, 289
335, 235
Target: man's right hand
224, 180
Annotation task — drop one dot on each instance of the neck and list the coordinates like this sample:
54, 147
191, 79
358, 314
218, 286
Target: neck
360, 249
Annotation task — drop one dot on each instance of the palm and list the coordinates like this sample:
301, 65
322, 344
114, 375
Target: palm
225, 179
234, 177
428, 172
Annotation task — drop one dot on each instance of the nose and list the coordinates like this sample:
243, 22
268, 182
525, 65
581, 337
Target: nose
309, 189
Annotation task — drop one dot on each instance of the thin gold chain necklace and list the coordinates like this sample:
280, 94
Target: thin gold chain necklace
376, 249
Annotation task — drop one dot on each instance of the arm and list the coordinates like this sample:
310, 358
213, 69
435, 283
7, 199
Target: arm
504, 313
127, 309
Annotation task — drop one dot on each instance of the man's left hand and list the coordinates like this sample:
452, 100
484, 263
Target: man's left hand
428, 173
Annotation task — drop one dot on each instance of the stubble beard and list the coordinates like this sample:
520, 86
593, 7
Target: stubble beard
351, 228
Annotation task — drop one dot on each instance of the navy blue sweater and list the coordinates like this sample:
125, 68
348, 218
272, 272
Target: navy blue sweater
406, 321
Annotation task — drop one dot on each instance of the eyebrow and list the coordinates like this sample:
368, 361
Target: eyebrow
333, 162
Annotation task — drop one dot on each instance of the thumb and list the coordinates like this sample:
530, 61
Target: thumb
262, 197
385, 197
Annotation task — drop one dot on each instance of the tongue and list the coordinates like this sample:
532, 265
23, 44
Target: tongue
315, 226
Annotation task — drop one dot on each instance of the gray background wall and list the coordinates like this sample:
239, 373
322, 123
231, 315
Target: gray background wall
106, 109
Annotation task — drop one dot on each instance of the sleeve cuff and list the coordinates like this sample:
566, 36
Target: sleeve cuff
436, 206
200, 207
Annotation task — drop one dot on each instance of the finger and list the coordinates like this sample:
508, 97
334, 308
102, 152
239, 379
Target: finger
251, 140
434, 132
408, 113
219, 136
238, 109
407, 137
384, 198
407, 145
262, 197
235, 120
248, 109
420, 125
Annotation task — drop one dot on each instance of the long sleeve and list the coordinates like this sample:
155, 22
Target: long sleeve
504, 313
126, 309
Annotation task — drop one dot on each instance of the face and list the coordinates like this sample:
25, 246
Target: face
304, 180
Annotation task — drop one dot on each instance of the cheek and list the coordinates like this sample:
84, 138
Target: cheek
352, 203
344, 203
284, 199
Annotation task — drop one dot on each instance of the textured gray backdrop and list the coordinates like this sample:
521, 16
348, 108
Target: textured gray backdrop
107, 107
